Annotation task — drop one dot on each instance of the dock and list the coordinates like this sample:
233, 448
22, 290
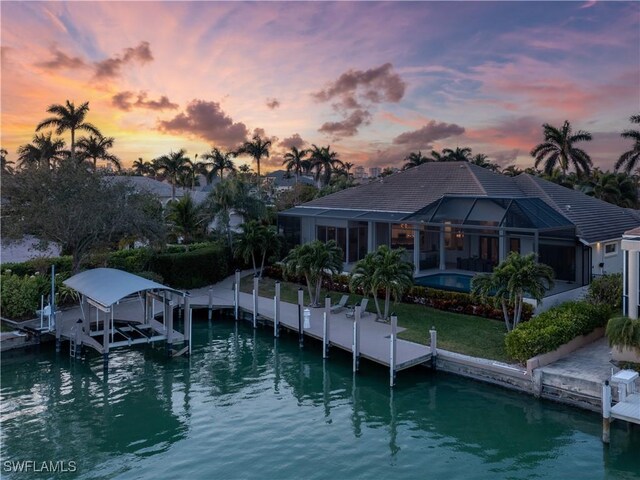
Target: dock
628, 406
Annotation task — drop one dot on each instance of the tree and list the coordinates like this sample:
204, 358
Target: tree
255, 241
140, 167
415, 159
173, 165
437, 156
481, 160
68, 117
457, 155
631, 158
385, 269
42, 151
186, 218
219, 161
516, 276
511, 171
257, 149
294, 160
314, 261
96, 147
348, 166
324, 161
5, 165
616, 188
559, 150
80, 210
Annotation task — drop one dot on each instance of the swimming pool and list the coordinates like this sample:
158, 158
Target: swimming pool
456, 282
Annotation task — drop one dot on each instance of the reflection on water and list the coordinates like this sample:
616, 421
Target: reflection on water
246, 405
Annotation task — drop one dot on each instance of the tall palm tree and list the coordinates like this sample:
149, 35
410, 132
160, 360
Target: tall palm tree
314, 261
511, 171
616, 188
69, 117
481, 160
457, 155
415, 159
436, 156
257, 148
631, 158
219, 161
559, 150
43, 150
324, 161
141, 167
221, 200
186, 218
516, 276
348, 166
173, 165
6, 165
96, 148
295, 160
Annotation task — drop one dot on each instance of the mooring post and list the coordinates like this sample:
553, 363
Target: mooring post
300, 307
392, 352
606, 411
187, 322
169, 324
276, 312
434, 345
105, 338
355, 348
210, 305
236, 295
326, 327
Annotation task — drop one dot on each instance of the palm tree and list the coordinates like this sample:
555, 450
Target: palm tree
324, 161
248, 243
173, 165
314, 261
457, 155
630, 158
6, 165
220, 161
511, 171
68, 117
558, 150
415, 159
257, 149
140, 167
348, 166
436, 156
516, 276
42, 150
481, 160
362, 277
186, 218
96, 148
221, 201
616, 188
295, 160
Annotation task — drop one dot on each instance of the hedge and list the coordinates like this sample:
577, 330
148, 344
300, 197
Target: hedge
430, 297
192, 269
21, 294
554, 328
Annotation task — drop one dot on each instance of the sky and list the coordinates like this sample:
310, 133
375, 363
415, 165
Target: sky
373, 80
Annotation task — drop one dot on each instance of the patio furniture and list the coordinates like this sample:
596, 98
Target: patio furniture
338, 307
363, 309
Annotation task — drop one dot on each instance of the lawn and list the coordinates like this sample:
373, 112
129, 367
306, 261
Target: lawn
470, 335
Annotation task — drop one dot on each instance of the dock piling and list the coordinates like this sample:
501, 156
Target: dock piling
210, 304
236, 295
606, 412
276, 313
168, 309
256, 286
326, 327
434, 345
356, 339
393, 351
300, 307
187, 322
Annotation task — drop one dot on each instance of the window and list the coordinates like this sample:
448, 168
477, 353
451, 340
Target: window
358, 238
514, 245
453, 237
402, 236
339, 235
610, 249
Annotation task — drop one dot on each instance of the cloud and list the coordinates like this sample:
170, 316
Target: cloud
111, 67
208, 121
124, 101
273, 103
432, 131
376, 85
294, 140
349, 126
61, 60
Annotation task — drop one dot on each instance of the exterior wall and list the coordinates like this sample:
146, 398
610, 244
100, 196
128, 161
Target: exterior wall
611, 263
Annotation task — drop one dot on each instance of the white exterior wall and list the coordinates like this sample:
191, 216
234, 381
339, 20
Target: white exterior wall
611, 263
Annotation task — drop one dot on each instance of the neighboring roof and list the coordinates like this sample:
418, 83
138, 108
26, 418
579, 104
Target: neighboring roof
106, 286
416, 188
282, 179
162, 189
633, 233
596, 220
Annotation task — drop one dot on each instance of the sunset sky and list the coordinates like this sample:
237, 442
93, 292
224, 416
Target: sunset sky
373, 80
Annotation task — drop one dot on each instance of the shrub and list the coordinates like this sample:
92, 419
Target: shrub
553, 328
133, 261
40, 265
606, 290
624, 332
194, 268
20, 295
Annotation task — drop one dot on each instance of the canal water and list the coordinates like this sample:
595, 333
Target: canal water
249, 407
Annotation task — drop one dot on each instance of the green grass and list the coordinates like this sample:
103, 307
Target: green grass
467, 334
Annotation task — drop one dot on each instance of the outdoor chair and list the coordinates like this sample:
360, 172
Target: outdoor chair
363, 310
338, 307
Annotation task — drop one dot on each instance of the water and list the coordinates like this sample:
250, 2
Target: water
446, 281
246, 406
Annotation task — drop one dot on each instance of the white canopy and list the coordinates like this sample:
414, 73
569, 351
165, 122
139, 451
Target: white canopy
106, 286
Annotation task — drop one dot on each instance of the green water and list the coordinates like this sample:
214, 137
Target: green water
246, 406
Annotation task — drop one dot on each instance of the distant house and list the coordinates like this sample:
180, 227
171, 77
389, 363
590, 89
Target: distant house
631, 262
459, 217
280, 180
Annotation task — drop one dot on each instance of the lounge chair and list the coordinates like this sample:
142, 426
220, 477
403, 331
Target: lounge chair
363, 308
338, 307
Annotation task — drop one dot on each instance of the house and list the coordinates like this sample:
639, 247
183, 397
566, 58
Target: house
631, 262
459, 217
281, 180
